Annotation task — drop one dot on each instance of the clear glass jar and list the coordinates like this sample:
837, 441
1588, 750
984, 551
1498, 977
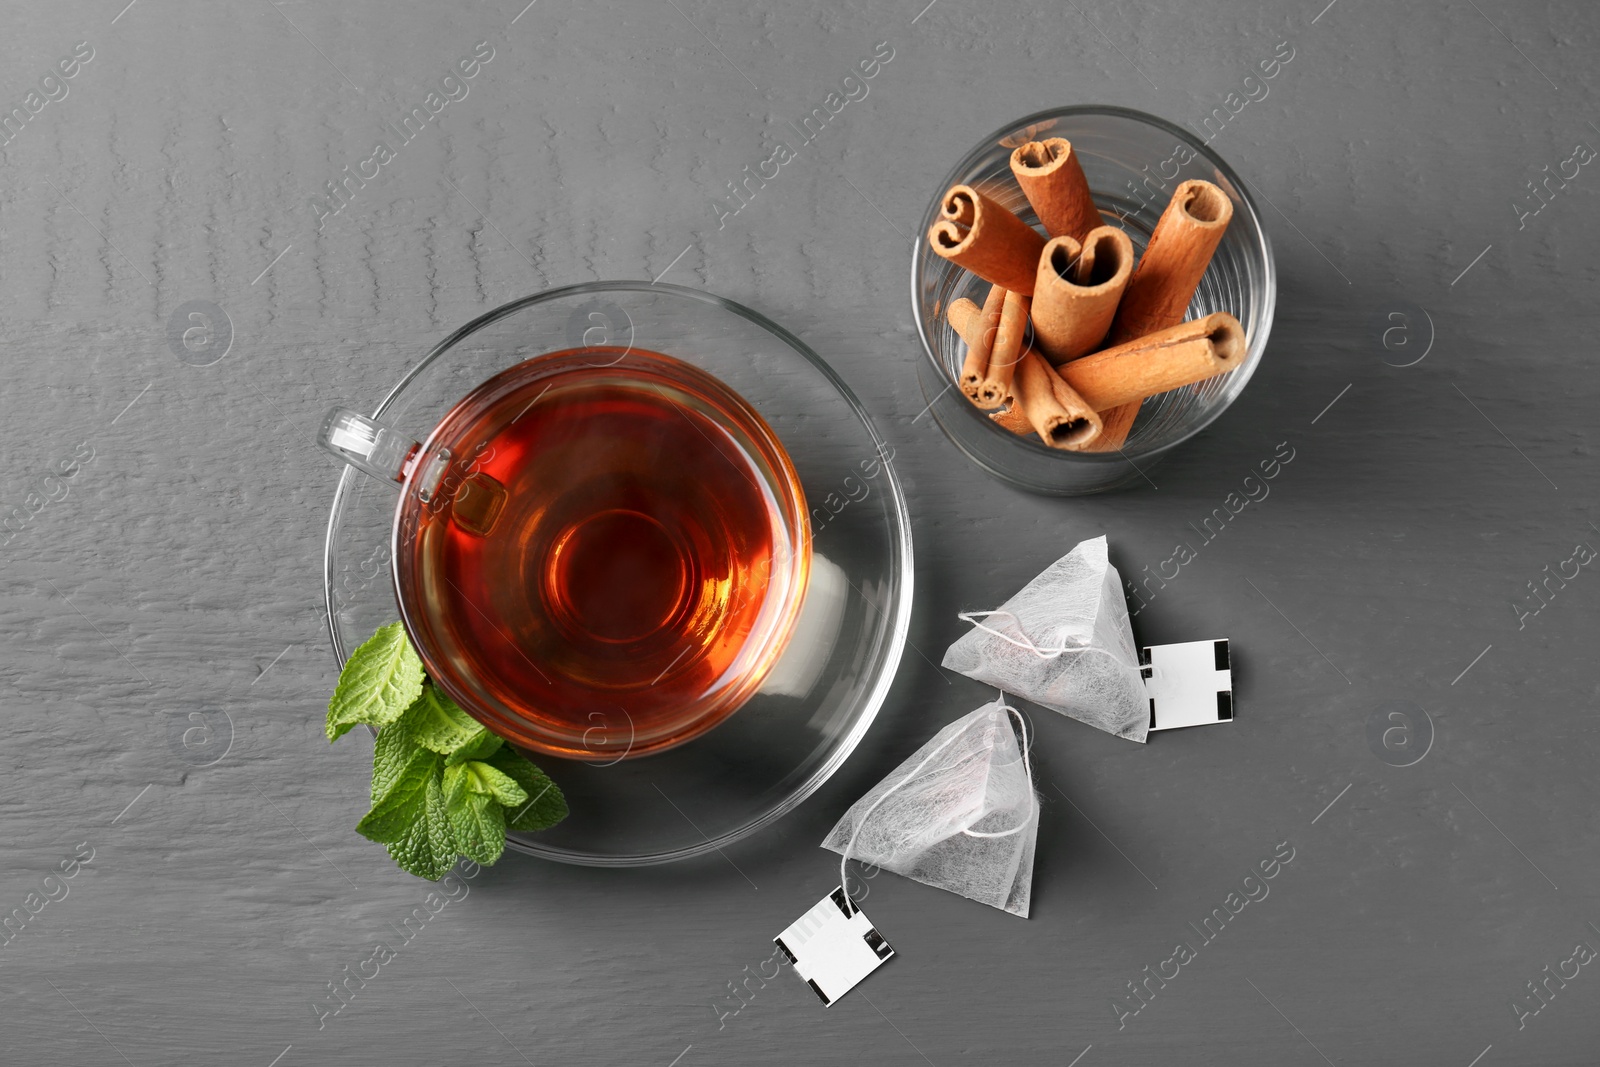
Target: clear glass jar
1133, 162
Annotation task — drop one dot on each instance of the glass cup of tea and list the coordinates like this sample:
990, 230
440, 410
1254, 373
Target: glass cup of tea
604, 527
852, 557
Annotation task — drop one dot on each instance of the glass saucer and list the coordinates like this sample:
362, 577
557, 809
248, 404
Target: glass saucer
816, 705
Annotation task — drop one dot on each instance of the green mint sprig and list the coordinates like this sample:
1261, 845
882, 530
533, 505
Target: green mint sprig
442, 785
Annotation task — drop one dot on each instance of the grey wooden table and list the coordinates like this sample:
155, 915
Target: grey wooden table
1431, 197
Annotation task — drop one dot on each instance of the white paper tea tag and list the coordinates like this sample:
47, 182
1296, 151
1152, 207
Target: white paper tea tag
833, 947
1189, 684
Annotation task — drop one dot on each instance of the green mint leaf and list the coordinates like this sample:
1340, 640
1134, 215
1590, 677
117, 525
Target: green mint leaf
429, 849
404, 802
545, 805
484, 780
378, 683
478, 748
437, 723
501, 785
478, 820
442, 784
390, 753
461, 780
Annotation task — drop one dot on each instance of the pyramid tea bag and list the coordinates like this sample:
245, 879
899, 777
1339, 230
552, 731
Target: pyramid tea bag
959, 814
1063, 642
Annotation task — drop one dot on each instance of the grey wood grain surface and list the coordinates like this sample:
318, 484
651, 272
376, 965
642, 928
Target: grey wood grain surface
1417, 161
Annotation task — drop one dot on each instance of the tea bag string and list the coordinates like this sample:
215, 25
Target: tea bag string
1027, 772
1027, 767
1026, 642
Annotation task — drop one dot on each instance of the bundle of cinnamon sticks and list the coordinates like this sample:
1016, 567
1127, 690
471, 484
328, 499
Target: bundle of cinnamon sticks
1106, 331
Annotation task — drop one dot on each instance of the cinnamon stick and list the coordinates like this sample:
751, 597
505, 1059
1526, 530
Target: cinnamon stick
1009, 343
965, 312
1057, 413
995, 344
961, 310
1012, 418
1039, 400
1054, 184
1076, 292
1175, 260
975, 368
1115, 426
978, 234
1159, 362
1169, 272
1147, 366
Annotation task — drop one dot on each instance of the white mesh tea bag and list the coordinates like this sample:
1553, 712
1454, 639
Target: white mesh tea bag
1063, 642
959, 814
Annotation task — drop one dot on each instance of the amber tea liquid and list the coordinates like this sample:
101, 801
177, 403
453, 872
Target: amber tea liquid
610, 557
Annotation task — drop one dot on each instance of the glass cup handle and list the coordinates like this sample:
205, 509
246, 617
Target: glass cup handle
367, 444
